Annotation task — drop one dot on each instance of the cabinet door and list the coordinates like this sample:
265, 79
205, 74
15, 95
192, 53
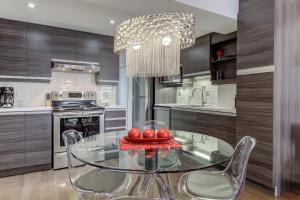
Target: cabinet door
12, 141
12, 48
255, 118
38, 51
197, 58
63, 43
109, 67
255, 33
88, 47
219, 126
37, 139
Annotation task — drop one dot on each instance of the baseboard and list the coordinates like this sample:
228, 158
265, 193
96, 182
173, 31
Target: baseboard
24, 170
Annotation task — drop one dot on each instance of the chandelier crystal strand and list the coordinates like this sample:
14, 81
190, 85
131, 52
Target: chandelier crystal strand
152, 43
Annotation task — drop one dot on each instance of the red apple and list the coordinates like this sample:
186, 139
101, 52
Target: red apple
163, 133
134, 133
148, 133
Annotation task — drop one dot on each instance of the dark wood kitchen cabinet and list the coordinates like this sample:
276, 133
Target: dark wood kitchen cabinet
12, 142
220, 126
196, 60
255, 118
26, 51
38, 139
115, 119
12, 48
38, 51
88, 47
63, 43
109, 68
255, 33
109, 62
25, 142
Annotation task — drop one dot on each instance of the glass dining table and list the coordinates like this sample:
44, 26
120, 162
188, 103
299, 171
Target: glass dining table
197, 152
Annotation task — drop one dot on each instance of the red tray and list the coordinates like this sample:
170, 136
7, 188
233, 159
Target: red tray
147, 140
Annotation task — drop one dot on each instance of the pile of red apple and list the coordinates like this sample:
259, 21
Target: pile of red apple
135, 133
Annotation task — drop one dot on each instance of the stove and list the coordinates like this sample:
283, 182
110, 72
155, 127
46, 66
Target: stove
76, 111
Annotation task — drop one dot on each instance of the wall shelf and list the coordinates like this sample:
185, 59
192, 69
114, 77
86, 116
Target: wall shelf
223, 60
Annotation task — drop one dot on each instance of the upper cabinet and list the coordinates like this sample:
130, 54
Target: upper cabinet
12, 48
63, 43
255, 35
88, 47
38, 51
196, 60
26, 51
109, 62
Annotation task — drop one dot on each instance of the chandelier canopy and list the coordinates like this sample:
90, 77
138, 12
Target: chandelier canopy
152, 43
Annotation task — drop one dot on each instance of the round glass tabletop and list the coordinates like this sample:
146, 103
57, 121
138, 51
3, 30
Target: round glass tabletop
197, 152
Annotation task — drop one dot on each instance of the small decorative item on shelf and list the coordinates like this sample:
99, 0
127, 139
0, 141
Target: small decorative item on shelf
220, 54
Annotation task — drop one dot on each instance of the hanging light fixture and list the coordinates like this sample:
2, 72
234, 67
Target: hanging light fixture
152, 43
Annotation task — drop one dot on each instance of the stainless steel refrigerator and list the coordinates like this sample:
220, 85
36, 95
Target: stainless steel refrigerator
142, 101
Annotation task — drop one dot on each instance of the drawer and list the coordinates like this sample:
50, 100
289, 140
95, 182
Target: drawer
115, 114
114, 129
115, 123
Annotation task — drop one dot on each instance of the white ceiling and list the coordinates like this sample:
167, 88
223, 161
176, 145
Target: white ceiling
94, 15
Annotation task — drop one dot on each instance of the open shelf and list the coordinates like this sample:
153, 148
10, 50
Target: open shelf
223, 60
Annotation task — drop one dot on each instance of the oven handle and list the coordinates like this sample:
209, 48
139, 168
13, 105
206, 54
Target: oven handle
77, 115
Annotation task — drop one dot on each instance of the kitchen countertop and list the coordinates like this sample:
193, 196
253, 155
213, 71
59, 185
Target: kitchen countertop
25, 109
114, 107
206, 109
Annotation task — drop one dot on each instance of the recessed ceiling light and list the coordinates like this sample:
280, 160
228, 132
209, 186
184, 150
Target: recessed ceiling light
31, 5
112, 21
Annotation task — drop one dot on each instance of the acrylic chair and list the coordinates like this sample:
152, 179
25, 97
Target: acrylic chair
221, 185
92, 183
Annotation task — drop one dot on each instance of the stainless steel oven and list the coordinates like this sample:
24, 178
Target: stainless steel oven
76, 112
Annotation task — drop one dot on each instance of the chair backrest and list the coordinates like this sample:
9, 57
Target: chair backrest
154, 124
71, 138
238, 164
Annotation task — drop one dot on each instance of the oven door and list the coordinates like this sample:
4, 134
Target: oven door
90, 124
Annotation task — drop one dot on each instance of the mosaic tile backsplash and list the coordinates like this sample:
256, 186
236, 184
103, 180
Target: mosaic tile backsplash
33, 94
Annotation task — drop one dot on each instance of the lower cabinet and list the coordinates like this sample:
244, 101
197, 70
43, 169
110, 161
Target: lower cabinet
220, 126
255, 118
25, 142
12, 146
115, 120
37, 139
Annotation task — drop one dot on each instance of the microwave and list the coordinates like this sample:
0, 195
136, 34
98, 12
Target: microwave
172, 80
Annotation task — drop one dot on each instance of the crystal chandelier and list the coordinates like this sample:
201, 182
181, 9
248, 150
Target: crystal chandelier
152, 43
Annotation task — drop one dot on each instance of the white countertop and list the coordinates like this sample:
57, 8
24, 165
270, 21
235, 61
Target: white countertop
114, 107
25, 109
207, 108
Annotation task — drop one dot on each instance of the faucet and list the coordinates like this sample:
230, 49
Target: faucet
203, 102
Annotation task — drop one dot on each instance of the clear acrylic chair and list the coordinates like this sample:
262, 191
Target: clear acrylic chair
92, 183
220, 185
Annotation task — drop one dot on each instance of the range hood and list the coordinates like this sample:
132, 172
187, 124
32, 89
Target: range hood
75, 66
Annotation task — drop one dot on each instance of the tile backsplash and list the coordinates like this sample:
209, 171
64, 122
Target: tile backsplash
33, 94
219, 95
